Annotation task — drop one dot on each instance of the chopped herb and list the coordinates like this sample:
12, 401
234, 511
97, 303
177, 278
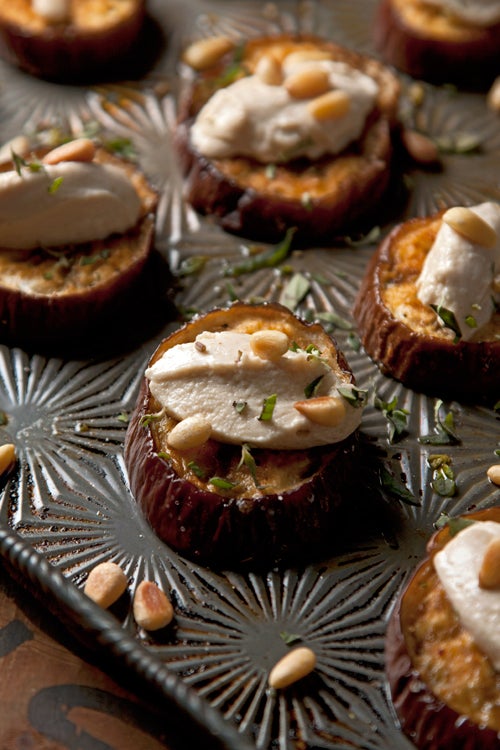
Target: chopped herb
122, 147
471, 321
396, 417
395, 488
165, 456
312, 388
196, 469
248, 460
444, 430
240, 406
55, 185
443, 478
295, 291
454, 524
231, 293
449, 321
354, 342
148, 418
290, 638
221, 483
496, 406
123, 417
366, 239
336, 321
266, 259
193, 265
458, 143
271, 171
89, 260
268, 408
355, 396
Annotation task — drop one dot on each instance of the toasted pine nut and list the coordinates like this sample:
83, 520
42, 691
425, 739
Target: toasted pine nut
489, 573
204, 53
421, 149
81, 149
268, 69
307, 83
325, 410
493, 96
189, 433
494, 474
19, 145
105, 584
151, 607
329, 106
292, 667
269, 344
306, 55
471, 226
7, 457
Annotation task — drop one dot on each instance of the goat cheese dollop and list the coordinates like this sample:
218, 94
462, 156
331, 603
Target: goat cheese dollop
209, 377
463, 277
65, 203
457, 566
255, 119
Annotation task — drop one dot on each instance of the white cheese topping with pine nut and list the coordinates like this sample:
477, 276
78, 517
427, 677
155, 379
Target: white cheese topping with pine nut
458, 565
463, 276
221, 380
53, 11
264, 121
65, 203
475, 12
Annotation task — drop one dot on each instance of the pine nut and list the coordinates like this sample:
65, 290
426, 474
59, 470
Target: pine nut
81, 149
292, 667
494, 474
269, 344
329, 106
325, 410
7, 457
151, 607
204, 53
268, 69
471, 226
489, 573
189, 433
307, 83
305, 55
493, 96
421, 148
105, 584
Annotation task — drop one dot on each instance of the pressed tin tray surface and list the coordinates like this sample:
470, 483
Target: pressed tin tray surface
67, 505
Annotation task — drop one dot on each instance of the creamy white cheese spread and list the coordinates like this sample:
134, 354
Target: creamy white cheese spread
53, 11
254, 119
208, 378
478, 609
461, 276
67, 203
475, 12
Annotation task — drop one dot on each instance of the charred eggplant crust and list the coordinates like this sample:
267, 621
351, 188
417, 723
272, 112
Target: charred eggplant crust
425, 643
291, 507
94, 41
403, 336
420, 40
78, 296
322, 199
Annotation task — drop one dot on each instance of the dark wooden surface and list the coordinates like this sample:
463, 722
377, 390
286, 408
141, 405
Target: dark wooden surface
53, 693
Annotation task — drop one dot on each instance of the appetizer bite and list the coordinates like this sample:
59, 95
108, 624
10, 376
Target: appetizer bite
443, 641
69, 40
287, 131
242, 445
427, 309
441, 41
77, 246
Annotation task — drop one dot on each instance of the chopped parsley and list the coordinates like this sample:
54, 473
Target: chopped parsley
268, 408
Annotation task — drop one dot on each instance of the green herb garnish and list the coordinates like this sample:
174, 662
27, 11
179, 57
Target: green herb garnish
240, 406
396, 417
268, 408
443, 478
449, 321
353, 395
266, 259
444, 431
196, 469
311, 389
295, 291
221, 483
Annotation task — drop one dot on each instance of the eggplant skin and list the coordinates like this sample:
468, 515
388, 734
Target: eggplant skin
69, 54
468, 371
469, 62
354, 184
428, 722
219, 529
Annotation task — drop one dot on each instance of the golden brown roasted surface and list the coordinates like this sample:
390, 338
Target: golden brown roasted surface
437, 673
97, 34
403, 336
421, 40
343, 192
293, 502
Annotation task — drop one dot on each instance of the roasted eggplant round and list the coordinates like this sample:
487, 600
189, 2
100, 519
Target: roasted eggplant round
442, 685
83, 297
323, 198
403, 336
266, 504
89, 42
422, 41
